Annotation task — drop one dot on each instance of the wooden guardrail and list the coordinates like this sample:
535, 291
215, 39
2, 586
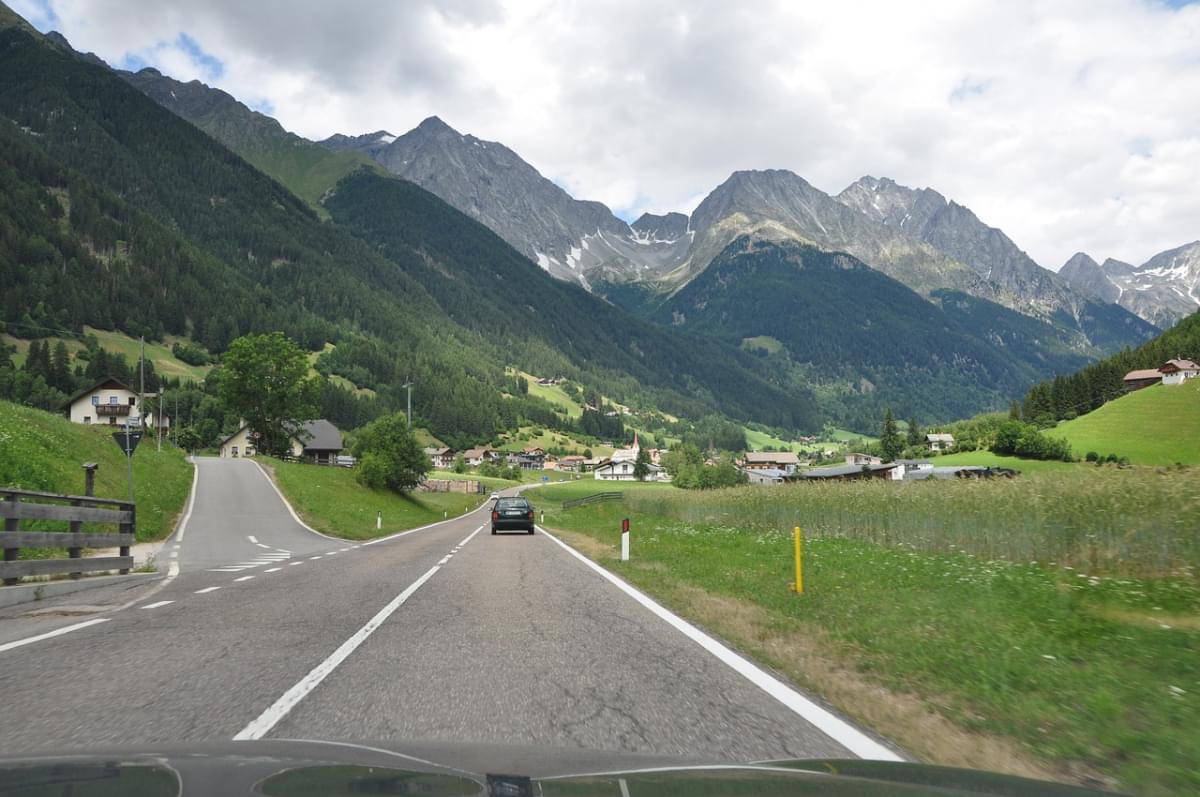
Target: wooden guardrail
593, 499
74, 510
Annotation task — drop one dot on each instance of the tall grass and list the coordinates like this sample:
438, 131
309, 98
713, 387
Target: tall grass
1143, 522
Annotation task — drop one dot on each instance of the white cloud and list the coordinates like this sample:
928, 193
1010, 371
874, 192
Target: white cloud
1072, 125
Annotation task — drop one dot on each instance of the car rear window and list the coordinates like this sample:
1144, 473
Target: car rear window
511, 503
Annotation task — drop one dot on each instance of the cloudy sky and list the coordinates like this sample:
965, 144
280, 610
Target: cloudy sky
1071, 125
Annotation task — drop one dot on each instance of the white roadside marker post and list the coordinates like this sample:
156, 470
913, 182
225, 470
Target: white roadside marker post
378, 521
625, 540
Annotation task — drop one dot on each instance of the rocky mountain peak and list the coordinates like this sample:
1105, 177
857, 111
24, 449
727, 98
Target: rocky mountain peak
665, 228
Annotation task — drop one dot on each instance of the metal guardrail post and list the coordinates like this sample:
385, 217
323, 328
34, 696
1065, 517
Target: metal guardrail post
12, 554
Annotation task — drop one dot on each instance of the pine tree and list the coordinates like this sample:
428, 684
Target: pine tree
916, 435
60, 369
889, 437
641, 465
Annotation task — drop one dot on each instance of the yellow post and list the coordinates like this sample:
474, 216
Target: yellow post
799, 564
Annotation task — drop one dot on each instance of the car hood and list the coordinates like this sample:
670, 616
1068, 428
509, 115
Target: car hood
294, 768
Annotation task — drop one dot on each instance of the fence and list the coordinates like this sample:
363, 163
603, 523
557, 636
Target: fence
466, 486
593, 499
74, 510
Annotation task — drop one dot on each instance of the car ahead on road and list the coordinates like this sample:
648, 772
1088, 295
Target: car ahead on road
512, 514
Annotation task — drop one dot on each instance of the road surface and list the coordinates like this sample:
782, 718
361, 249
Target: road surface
446, 633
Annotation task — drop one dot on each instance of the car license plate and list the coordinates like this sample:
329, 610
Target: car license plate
513, 513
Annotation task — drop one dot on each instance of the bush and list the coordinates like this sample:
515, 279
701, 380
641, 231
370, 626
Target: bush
372, 472
1091, 456
192, 355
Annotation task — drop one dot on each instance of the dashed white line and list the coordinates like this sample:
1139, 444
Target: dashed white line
156, 604
311, 558
445, 559
244, 578
273, 570
280, 708
294, 564
50, 634
261, 545
252, 538
206, 589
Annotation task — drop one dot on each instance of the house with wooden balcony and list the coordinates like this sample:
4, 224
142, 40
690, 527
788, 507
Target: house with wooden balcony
110, 402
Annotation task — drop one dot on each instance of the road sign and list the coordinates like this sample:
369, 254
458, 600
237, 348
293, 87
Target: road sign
133, 437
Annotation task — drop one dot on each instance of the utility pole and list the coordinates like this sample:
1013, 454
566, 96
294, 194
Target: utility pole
408, 416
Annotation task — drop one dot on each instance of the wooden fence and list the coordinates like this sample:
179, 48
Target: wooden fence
74, 510
594, 499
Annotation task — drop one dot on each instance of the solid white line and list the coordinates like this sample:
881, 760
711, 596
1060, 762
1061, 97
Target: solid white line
49, 634
280, 708
273, 570
206, 589
291, 511
252, 538
156, 604
469, 536
244, 578
832, 726
191, 503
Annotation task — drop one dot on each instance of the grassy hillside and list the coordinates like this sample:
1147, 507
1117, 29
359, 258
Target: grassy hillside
42, 451
165, 363
330, 500
1158, 425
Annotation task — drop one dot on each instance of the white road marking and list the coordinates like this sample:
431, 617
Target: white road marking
263, 724
445, 559
273, 570
191, 504
293, 564
157, 604
174, 554
331, 553
343, 550
206, 589
262, 545
226, 569
252, 538
832, 726
244, 578
50, 634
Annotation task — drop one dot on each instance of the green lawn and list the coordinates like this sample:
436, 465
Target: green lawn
988, 459
1157, 425
1023, 664
45, 452
553, 394
331, 501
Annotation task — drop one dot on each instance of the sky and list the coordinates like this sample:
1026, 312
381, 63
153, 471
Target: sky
1072, 125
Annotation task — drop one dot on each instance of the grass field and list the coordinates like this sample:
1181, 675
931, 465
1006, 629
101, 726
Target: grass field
988, 459
917, 626
1157, 425
165, 363
41, 451
550, 438
331, 501
553, 394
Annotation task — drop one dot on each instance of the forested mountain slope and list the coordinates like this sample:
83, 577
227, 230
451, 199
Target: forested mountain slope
181, 235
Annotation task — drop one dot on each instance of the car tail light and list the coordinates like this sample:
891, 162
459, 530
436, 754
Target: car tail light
495, 515
531, 514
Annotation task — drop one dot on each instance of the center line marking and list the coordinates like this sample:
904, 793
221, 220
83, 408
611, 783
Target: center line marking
311, 558
263, 724
244, 578
49, 634
293, 564
206, 589
273, 570
156, 604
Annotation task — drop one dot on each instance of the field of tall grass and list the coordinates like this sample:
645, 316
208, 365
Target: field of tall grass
1138, 522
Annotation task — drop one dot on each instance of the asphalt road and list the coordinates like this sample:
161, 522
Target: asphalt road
446, 633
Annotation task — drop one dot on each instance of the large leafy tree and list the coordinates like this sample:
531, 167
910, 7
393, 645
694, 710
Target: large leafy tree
389, 455
265, 381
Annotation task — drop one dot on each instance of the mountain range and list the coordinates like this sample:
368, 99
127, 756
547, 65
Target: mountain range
772, 301
1163, 290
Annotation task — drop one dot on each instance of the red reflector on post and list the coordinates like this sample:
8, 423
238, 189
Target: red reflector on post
625, 525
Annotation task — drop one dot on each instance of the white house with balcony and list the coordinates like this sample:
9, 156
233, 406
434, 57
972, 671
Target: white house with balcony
110, 402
